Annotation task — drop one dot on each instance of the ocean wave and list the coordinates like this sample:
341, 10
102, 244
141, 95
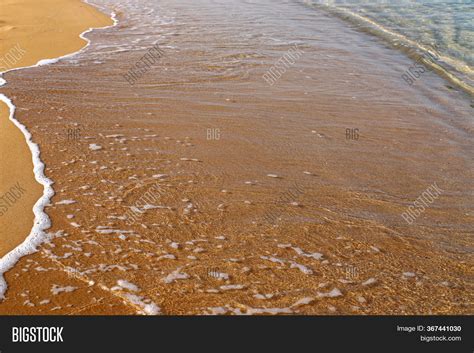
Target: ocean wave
452, 68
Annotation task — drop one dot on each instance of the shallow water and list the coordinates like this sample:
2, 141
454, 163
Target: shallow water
444, 26
211, 74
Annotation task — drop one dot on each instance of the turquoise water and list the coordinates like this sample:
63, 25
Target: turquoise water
445, 26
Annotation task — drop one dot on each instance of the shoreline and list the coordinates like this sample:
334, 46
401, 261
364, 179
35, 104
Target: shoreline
27, 244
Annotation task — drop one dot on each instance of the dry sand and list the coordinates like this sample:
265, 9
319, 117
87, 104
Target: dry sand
31, 31
16, 175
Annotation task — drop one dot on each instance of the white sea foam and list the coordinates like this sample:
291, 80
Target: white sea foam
332, 294
123, 284
65, 202
56, 289
41, 222
146, 308
175, 275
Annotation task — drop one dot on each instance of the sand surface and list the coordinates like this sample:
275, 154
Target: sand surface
201, 189
18, 185
31, 31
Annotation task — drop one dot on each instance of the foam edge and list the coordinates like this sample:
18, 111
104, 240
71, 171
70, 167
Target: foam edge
41, 221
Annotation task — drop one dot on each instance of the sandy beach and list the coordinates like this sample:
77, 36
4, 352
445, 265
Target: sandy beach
208, 184
31, 31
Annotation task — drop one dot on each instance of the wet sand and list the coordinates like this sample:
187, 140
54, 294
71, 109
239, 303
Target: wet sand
31, 31
201, 189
